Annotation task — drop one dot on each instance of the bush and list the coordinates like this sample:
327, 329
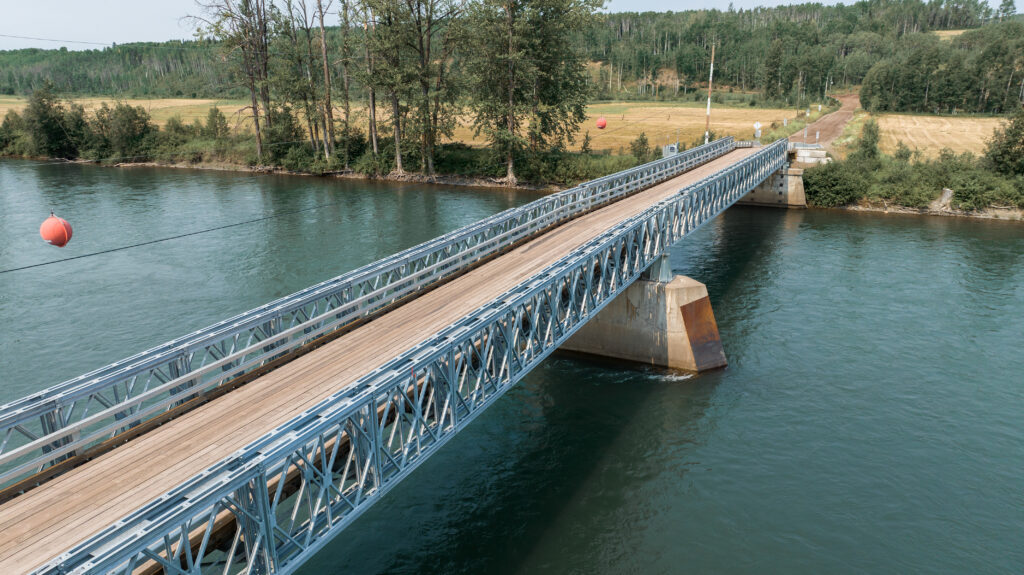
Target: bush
866, 148
1005, 151
979, 189
216, 127
281, 134
640, 148
835, 184
120, 133
11, 128
373, 165
44, 124
298, 159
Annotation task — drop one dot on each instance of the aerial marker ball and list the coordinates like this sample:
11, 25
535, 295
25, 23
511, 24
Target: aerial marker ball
56, 231
601, 123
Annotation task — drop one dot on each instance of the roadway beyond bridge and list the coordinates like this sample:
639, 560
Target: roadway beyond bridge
247, 446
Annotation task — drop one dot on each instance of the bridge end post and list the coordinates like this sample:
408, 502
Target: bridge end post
662, 320
783, 189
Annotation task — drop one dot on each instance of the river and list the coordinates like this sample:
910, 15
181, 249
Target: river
871, 417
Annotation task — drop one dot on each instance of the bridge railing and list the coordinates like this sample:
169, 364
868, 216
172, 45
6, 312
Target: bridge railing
291, 491
45, 428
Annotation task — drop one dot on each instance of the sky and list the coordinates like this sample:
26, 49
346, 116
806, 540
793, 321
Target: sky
121, 21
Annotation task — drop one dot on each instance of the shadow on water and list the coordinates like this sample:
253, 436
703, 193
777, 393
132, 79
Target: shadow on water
737, 247
492, 500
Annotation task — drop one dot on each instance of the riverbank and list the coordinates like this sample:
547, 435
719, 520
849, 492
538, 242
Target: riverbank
1002, 214
439, 179
939, 207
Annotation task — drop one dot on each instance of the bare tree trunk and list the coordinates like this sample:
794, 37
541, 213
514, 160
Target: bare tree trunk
328, 112
510, 175
369, 74
262, 52
397, 121
373, 120
256, 120
346, 108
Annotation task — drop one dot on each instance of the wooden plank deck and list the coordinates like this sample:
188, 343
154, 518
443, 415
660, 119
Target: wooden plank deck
48, 520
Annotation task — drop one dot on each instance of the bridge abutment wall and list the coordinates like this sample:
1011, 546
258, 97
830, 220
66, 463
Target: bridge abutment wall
783, 189
661, 320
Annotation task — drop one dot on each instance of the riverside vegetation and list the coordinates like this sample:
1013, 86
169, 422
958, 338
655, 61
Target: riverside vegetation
868, 177
379, 87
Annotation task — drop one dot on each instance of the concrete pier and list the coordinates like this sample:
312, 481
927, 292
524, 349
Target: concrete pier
661, 320
783, 189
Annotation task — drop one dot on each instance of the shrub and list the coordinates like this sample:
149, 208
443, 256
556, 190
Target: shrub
44, 123
640, 148
835, 184
216, 126
298, 159
866, 148
120, 133
979, 189
1005, 151
11, 128
373, 165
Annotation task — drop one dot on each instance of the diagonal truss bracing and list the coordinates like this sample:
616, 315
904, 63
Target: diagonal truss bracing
289, 493
40, 431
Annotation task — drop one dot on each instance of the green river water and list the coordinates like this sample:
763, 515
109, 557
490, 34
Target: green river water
871, 418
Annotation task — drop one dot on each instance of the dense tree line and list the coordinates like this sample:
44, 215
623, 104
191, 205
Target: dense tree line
522, 70
978, 71
150, 69
793, 54
788, 53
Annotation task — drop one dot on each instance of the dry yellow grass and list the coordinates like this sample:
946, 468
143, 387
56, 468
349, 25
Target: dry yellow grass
948, 34
160, 109
661, 122
930, 134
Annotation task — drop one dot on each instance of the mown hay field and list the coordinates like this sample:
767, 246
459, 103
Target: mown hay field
662, 122
930, 134
948, 34
160, 109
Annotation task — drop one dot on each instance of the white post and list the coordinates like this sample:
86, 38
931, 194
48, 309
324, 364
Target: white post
711, 77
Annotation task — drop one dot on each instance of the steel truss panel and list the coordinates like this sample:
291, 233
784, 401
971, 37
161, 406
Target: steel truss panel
47, 427
293, 490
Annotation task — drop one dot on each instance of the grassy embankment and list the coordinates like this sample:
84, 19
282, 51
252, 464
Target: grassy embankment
876, 168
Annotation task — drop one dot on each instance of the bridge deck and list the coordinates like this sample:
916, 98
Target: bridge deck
52, 518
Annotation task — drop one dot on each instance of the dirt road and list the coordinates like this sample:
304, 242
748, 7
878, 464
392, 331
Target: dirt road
831, 126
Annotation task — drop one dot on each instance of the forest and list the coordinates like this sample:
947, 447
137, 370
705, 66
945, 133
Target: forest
378, 86
787, 53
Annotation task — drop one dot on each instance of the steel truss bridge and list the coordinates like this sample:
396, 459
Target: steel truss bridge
269, 505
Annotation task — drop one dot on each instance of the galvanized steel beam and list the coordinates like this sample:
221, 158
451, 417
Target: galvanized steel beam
353, 447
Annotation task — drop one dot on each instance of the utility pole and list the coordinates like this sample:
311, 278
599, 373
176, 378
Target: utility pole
711, 77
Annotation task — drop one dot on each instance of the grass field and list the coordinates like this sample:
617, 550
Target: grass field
660, 121
948, 34
160, 109
663, 122
930, 134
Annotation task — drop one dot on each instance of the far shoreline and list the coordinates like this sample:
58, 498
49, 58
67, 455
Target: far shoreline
991, 213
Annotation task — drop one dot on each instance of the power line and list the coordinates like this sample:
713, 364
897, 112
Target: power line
276, 215
53, 40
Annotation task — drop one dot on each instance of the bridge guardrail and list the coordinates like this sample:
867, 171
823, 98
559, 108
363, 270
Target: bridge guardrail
354, 446
45, 428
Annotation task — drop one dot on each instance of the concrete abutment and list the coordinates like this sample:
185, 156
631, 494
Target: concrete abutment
783, 189
661, 320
